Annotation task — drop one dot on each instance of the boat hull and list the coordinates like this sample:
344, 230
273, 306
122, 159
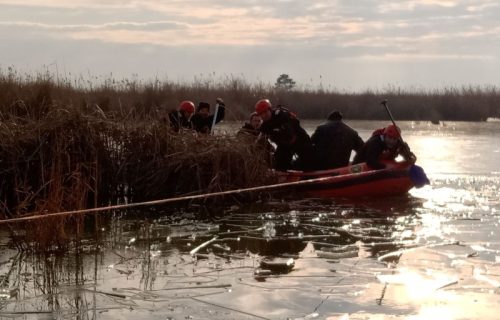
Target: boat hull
353, 181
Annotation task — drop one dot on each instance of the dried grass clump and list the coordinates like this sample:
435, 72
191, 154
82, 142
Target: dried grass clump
156, 162
69, 161
60, 157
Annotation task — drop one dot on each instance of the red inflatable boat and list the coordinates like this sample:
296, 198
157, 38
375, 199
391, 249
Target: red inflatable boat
357, 180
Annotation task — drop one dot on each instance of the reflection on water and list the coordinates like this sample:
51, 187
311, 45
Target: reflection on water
433, 254
132, 262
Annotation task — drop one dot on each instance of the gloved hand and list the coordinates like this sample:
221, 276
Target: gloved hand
407, 154
412, 158
220, 102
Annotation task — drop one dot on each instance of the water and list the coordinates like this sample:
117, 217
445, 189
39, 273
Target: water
433, 254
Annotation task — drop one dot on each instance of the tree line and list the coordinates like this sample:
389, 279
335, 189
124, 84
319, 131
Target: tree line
118, 98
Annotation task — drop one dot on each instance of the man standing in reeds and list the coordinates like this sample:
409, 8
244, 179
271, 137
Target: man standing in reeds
181, 118
203, 121
251, 134
333, 142
251, 128
283, 128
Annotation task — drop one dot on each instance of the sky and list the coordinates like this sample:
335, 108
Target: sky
335, 44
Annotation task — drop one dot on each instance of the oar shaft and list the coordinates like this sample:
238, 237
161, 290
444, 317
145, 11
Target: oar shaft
406, 148
384, 103
214, 121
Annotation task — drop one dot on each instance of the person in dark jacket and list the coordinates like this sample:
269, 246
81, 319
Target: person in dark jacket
251, 134
283, 128
333, 142
203, 121
181, 118
251, 128
384, 144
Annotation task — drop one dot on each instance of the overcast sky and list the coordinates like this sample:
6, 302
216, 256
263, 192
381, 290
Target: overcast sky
342, 44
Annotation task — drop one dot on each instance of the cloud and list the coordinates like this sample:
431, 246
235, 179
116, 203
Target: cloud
69, 4
313, 35
119, 25
420, 56
246, 22
483, 6
411, 5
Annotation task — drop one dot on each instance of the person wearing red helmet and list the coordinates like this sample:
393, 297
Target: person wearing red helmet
181, 118
283, 128
203, 121
384, 144
261, 108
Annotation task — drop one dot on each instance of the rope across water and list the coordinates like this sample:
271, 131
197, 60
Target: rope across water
162, 201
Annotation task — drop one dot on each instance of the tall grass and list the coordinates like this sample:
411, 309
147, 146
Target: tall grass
69, 144
63, 148
133, 98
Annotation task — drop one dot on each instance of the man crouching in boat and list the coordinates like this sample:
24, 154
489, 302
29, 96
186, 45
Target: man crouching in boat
384, 144
283, 128
333, 142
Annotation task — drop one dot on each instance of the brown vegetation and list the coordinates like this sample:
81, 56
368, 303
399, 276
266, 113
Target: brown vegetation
67, 145
62, 150
133, 99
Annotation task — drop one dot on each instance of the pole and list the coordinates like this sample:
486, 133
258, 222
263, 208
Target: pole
214, 121
384, 103
215, 118
405, 148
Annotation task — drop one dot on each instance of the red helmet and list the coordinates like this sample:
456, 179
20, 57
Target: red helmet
262, 106
186, 106
392, 131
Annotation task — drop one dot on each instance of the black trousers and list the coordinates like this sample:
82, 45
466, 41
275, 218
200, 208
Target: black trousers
283, 156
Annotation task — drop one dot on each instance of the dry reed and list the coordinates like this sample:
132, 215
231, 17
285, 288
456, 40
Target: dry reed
58, 156
69, 144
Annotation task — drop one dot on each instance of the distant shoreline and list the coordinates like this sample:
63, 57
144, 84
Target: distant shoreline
149, 100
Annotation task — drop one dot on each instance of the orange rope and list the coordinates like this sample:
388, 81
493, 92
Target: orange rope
163, 201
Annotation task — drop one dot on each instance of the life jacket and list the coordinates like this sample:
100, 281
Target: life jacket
389, 154
282, 127
378, 132
292, 114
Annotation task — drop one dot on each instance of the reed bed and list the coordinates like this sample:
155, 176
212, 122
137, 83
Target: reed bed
56, 155
67, 161
69, 144
133, 98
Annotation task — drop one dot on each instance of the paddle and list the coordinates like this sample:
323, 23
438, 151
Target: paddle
214, 121
417, 174
405, 148
384, 103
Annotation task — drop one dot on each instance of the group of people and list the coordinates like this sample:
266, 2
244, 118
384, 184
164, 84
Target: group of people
329, 147
199, 119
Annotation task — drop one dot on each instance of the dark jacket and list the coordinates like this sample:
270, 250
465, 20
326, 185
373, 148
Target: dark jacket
204, 125
248, 131
284, 128
177, 121
376, 150
333, 142
250, 135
